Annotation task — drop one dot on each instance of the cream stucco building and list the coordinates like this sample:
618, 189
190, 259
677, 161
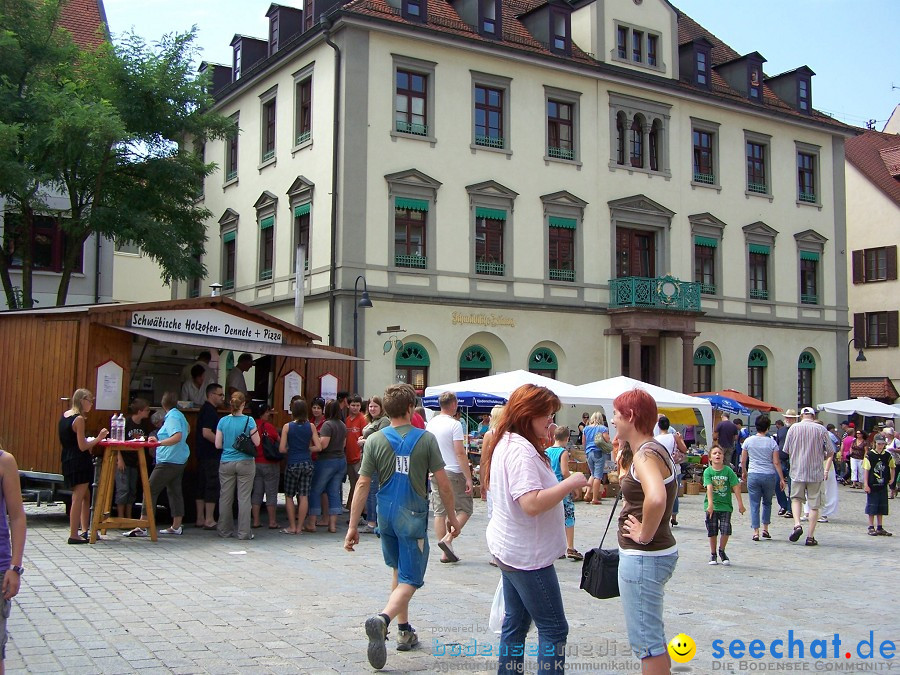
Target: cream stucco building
873, 227
585, 189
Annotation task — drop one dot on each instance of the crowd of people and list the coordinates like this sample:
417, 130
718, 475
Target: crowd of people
399, 469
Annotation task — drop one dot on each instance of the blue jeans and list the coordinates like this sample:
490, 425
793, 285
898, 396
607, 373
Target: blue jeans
596, 460
782, 496
761, 487
533, 595
372, 499
642, 585
327, 477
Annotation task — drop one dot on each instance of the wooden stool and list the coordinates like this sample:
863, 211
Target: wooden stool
103, 519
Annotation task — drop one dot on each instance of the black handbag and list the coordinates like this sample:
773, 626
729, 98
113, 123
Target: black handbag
600, 569
270, 450
243, 443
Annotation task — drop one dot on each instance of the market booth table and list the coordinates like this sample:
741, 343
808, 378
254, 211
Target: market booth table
103, 492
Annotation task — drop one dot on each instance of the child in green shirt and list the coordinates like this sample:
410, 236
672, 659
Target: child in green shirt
720, 481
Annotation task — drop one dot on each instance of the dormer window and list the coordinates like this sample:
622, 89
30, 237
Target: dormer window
273, 33
309, 14
803, 95
702, 61
489, 18
559, 33
414, 10
622, 42
755, 76
236, 62
652, 50
637, 46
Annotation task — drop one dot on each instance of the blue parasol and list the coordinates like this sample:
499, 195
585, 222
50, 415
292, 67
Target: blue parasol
725, 404
468, 399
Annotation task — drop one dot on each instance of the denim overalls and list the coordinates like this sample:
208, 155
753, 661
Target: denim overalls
403, 514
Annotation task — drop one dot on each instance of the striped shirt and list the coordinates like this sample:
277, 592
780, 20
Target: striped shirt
808, 445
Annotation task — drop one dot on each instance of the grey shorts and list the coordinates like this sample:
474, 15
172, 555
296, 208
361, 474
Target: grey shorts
811, 492
462, 502
126, 485
4, 636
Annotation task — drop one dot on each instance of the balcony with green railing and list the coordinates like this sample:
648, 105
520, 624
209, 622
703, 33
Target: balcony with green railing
806, 299
562, 275
490, 142
560, 153
705, 178
411, 128
302, 138
666, 293
758, 188
708, 289
808, 197
269, 154
265, 275
492, 268
759, 294
231, 175
416, 261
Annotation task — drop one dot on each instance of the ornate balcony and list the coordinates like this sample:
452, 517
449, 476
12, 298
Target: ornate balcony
658, 293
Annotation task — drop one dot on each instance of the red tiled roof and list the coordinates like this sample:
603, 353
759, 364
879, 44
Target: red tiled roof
891, 159
85, 20
874, 387
865, 152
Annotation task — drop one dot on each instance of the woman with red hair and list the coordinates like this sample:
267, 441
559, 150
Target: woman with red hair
525, 534
647, 549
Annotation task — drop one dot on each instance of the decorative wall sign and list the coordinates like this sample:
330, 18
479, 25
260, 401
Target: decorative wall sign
108, 394
328, 387
293, 386
492, 320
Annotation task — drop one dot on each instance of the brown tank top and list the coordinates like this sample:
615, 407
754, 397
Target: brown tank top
633, 504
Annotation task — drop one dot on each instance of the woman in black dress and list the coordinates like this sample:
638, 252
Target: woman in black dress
77, 465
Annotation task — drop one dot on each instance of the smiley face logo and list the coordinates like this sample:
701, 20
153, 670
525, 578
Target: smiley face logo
682, 648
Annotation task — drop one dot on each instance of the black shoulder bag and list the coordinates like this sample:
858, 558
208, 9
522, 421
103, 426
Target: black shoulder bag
243, 443
600, 569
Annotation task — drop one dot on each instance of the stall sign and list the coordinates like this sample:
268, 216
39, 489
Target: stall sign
209, 322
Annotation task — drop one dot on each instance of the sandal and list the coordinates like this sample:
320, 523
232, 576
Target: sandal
596, 501
755, 537
811, 541
287, 531
766, 535
572, 554
795, 535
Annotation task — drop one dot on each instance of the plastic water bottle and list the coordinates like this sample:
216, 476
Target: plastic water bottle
113, 427
121, 427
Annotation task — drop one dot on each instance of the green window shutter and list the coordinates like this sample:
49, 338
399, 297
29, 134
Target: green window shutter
757, 359
413, 354
475, 357
411, 204
229, 236
266, 223
302, 210
759, 248
704, 357
806, 362
493, 214
809, 255
709, 242
568, 223
542, 359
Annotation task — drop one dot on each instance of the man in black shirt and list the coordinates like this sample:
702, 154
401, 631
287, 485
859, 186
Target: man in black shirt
208, 456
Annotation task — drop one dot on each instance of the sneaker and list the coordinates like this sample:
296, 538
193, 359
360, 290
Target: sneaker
781, 512
366, 529
137, 532
871, 531
725, 559
713, 560
822, 519
172, 530
881, 532
376, 631
803, 519
407, 639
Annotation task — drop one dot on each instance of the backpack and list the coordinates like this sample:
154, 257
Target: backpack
880, 472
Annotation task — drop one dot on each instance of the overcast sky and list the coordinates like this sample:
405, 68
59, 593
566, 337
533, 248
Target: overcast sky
850, 44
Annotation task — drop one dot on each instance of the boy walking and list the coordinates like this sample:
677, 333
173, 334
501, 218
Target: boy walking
720, 481
878, 473
558, 454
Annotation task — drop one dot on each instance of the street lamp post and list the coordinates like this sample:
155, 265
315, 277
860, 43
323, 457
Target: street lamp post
365, 303
860, 356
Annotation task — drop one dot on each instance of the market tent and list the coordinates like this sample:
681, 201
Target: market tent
725, 404
867, 407
603, 392
467, 399
743, 399
504, 384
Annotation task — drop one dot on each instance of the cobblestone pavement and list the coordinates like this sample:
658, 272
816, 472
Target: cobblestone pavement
289, 604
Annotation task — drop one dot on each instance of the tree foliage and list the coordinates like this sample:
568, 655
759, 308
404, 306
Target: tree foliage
112, 130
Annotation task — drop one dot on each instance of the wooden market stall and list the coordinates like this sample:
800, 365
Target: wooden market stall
121, 350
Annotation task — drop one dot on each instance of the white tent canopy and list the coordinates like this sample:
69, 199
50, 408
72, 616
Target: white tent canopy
868, 407
603, 392
504, 384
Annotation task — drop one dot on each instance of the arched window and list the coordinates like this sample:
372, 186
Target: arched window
756, 370
620, 138
412, 366
637, 142
475, 361
806, 365
543, 362
704, 363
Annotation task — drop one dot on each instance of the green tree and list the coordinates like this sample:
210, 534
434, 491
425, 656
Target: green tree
113, 130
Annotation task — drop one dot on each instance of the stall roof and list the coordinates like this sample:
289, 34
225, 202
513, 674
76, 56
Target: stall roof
251, 346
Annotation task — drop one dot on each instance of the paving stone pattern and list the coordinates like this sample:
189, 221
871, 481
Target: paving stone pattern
296, 604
